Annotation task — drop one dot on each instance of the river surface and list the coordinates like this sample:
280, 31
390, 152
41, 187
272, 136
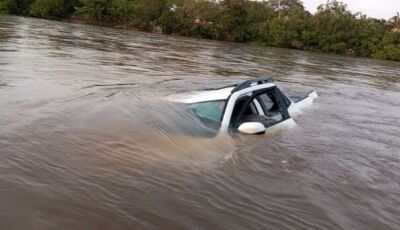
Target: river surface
86, 141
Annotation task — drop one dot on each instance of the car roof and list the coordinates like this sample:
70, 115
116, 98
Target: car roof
214, 94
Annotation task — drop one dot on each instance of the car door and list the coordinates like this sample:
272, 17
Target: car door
270, 106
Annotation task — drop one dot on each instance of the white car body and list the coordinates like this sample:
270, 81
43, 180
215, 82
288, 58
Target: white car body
249, 89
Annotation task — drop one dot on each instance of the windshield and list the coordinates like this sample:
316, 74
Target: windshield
210, 110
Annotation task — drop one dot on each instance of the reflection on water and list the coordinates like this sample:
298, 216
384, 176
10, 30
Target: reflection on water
86, 142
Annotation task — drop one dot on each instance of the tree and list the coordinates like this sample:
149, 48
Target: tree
278, 34
331, 28
110, 11
259, 14
389, 48
281, 23
234, 20
18, 7
53, 8
394, 23
284, 6
367, 35
147, 12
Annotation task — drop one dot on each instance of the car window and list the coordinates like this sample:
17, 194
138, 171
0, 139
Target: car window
211, 110
268, 103
271, 114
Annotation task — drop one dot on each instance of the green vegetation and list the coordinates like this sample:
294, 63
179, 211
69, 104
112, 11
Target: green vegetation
53, 8
280, 23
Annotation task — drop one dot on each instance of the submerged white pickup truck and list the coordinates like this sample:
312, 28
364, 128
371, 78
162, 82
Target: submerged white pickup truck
250, 107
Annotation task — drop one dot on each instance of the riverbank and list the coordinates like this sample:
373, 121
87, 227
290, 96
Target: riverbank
158, 30
332, 29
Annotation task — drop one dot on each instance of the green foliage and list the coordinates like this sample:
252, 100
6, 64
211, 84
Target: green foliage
6, 6
368, 34
394, 22
53, 8
47, 8
277, 33
282, 23
388, 52
330, 29
108, 10
234, 20
389, 48
147, 13
18, 7
258, 16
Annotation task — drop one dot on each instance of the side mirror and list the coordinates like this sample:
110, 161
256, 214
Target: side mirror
252, 128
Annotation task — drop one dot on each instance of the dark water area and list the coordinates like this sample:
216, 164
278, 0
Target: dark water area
87, 141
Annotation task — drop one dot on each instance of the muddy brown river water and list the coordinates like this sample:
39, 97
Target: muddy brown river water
87, 143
